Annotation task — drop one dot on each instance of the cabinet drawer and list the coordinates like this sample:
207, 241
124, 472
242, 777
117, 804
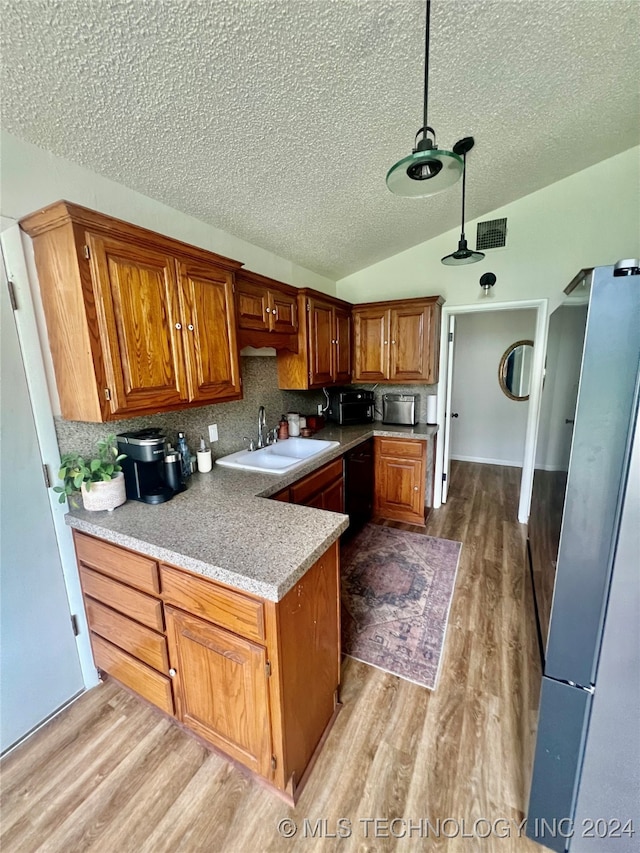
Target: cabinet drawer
143, 643
308, 486
400, 448
137, 605
132, 673
127, 566
232, 610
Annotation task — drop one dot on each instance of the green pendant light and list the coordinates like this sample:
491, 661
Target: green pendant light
463, 254
428, 169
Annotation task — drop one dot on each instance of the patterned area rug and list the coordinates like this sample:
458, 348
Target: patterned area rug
396, 594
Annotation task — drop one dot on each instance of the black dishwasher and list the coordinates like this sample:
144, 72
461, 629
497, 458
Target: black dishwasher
358, 472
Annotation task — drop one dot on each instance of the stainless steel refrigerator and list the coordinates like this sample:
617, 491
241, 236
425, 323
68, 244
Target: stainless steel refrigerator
585, 787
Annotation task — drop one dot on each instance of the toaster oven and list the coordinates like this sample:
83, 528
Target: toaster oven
350, 406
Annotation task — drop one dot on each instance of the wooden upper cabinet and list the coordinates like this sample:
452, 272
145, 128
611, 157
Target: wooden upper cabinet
118, 301
397, 341
324, 344
371, 332
321, 342
343, 346
267, 312
209, 332
137, 312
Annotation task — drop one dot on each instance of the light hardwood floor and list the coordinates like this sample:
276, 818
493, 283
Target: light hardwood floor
110, 774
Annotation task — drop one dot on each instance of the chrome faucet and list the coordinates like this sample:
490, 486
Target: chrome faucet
262, 425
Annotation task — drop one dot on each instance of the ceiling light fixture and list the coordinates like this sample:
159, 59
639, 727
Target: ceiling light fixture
428, 169
463, 255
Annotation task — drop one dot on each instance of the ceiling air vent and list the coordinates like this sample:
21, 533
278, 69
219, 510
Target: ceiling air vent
491, 234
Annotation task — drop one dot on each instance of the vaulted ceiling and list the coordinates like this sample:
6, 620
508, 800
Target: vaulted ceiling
277, 120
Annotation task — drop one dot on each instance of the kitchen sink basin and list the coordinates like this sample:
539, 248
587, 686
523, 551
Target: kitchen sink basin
277, 458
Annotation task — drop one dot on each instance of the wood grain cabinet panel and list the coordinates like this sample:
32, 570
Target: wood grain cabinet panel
252, 301
137, 605
400, 480
208, 329
137, 313
137, 322
284, 312
324, 344
240, 613
139, 641
223, 695
267, 312
134, 569
397, 342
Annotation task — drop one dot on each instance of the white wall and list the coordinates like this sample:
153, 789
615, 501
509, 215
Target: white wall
490, 427
560, 392
588, 219
31, 178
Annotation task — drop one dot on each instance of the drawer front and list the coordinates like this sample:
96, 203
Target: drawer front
308, 486
126, 566
281, 496
401, 448
143, 643
137, 605
132, 673
232, 610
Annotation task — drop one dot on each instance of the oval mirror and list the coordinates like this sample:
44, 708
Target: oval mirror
514, 372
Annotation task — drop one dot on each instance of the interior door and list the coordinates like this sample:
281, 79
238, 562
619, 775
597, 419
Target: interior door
209, 332
446, 462
138, 316
38, 652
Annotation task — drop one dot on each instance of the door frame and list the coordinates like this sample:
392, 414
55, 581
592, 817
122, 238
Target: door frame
541, 306
28, 323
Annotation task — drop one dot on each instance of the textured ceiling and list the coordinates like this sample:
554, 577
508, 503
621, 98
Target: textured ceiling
277, 120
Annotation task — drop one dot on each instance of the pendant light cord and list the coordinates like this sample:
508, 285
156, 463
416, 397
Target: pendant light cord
464, 186
426, 63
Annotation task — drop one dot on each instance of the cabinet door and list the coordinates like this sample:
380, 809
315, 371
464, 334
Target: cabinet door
342, 346
321, 336
209, 332
252, 302
137, 310
371, 350
333, 496
283, 315
410, 344
221, 688
400, 480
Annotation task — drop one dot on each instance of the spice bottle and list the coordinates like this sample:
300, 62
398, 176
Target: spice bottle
283, 429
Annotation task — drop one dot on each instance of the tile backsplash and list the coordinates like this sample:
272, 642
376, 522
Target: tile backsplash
234, 420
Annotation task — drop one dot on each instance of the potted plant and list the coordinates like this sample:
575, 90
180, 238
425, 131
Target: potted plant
100, 480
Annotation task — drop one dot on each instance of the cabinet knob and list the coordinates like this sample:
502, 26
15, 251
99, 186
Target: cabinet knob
173, 673
268, 310
178, 325
416, 488
275, 311
386, 342
190, 327
393, 342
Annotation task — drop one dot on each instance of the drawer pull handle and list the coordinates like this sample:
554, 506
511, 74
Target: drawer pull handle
173, 673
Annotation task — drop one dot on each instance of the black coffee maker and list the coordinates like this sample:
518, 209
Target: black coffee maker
147, 477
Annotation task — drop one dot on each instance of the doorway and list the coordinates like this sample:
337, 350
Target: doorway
502, 318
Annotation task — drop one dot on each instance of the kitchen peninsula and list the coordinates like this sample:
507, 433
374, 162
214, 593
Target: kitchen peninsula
222, 608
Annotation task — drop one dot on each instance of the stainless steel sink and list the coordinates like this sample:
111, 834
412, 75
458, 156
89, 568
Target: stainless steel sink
277, 458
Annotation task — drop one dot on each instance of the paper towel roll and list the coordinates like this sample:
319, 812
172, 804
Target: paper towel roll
432, 409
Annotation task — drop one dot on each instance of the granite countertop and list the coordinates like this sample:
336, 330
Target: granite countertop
223, 528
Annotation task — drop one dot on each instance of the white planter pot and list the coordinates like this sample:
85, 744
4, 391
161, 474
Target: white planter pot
107, 494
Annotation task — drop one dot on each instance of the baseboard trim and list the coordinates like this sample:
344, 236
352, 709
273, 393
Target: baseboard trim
484, 461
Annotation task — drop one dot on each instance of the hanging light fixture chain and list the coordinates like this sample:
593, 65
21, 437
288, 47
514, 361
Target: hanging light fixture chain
427, 31
464, 185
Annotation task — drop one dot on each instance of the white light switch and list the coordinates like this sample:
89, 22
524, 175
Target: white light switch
213, 432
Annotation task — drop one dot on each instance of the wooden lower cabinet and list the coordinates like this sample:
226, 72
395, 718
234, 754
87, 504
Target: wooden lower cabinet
324, 489
220, 683
256, 679
400, 479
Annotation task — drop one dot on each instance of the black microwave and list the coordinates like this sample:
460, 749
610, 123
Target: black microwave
350, 406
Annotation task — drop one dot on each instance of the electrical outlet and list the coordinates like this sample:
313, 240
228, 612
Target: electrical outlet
213, 432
